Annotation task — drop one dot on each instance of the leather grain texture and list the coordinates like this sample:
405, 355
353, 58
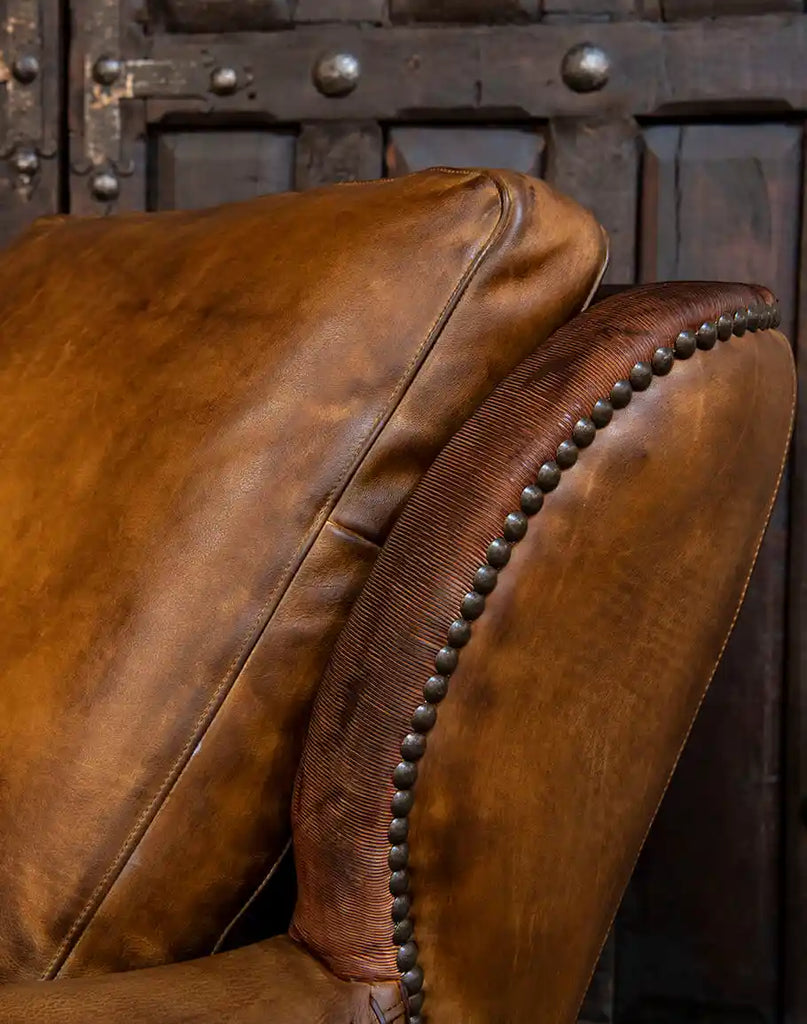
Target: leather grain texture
274, 982
209, 422
571, 702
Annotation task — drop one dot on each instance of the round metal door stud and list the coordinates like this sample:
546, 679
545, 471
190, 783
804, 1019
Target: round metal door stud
25, 161
106, 70
585, 68
336, 74
104, 186
223, 81
25, 68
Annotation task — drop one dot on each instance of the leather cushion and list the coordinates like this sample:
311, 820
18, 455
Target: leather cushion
209, 422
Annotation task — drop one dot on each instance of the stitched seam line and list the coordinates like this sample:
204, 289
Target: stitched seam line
262, 620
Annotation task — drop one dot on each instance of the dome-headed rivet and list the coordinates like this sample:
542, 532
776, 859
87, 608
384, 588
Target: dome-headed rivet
402, 931
473, 604
398, 856
752, 318
498, 553
459, 633
413, 980
549, 476
706, 335
104, 186
399, 883
337, 74
584, 432
532, 499
515, 527
398, 830
641, 376
764, 318
585, 68
725, 325
402, 802
662, 361
776, 315
423, 719
223, 81
602, 413
435, 689
25, 160
685, 345
107, 70
25, 68
413, 746
621, 394
405, 775
415, 1004
407, 956
417, 1019
566, 454
401, 906
485, 579
445, 661
740, 322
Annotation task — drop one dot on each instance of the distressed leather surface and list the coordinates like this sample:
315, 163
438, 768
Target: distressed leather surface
571, 702
209, 422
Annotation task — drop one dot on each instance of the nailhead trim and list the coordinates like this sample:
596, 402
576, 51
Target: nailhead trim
436, 687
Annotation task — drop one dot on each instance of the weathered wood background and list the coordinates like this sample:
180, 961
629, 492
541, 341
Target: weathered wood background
692, 155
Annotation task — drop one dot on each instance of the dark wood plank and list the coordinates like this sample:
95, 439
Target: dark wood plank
204, 168
338, 151
617, 10
597, 163
699, 931
415, 148
224, 15
468, 11
673, 9
795, 953
373, 12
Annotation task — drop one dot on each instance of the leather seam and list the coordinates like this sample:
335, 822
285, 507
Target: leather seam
252, 639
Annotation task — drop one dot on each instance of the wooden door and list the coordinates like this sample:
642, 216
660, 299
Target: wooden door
681, 124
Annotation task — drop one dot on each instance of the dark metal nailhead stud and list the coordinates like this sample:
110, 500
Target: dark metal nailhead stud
485, 579
764, 318
584, 432
473, 605
107, 70
223, 81
445, 661
662, 361
725, 325
566, 455
752, 318
405, 775
25, 68
417, 1019
407, 956
621, 394
413, 746
413, 980
435, 689
402, 932
776, 316
401, 803
423, 721
685, 345
459, 633
401, 906
532, 499
498, 553
549, 476
398, 857
398, 830
515, 526
602, 413
641, 376
104, 186
740, 322
706, 335
399, 882
415, 1004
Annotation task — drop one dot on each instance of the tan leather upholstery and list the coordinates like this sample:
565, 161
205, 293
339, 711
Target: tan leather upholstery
209, 422
572, 699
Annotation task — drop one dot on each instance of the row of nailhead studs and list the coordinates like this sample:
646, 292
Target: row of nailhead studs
515, 526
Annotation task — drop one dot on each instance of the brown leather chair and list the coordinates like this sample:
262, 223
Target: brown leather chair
278, 476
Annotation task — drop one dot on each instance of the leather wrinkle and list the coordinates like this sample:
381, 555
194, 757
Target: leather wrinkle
285, 576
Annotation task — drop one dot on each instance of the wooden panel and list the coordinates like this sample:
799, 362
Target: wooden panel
795, 995
221, 15
470, 11
336, 151
29, 113
204, 168
415, 148
699, 930
673, 9
556, 10
597, 163
313, 11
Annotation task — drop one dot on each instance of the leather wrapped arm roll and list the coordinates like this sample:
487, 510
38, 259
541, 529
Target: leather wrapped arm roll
507, 702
